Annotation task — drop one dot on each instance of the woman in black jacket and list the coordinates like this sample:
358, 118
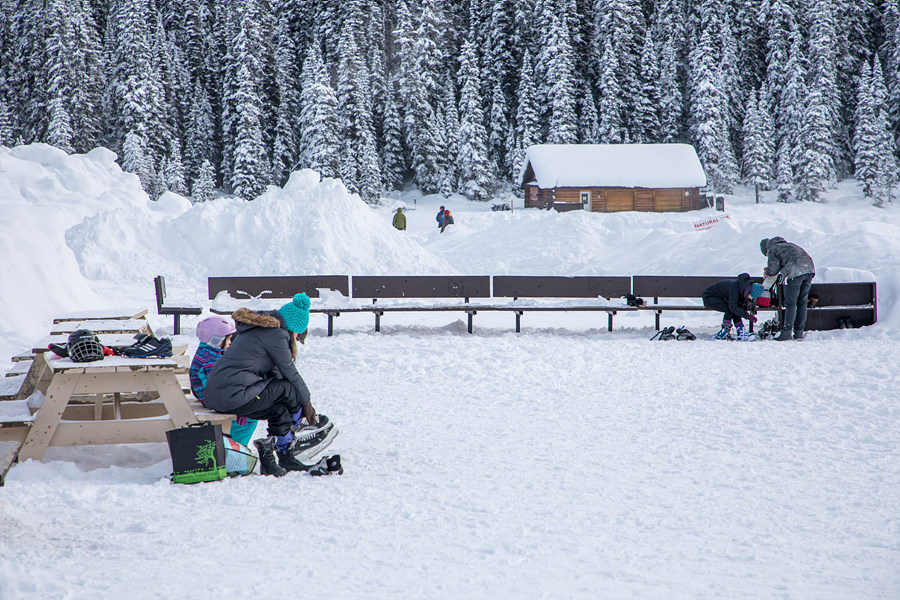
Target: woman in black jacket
257, 378
729, 296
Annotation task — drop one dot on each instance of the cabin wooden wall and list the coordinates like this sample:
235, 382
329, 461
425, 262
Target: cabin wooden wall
618, 199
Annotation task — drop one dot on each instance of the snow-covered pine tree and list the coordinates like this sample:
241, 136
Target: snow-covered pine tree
319, 136
498, 131
59, 131
823, 75
865, 138
137, 101
86, 68
618, 38
59, 42
6, 125
812, 163
588, 119
758, 149
285, 150
667, 28
891, 51
709, 116
172, 170
645, 122
250, 171
563, 124
135, 159
528, 123
450, 113
784, 174
612, 125
360, 170
474, 166
885, 147
393, 159
205, 183
200, 132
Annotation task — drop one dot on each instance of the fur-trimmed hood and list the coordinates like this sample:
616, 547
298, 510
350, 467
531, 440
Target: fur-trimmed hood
246, 319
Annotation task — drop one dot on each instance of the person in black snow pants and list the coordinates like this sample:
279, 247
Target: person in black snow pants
257, 378
798, 269
729, 296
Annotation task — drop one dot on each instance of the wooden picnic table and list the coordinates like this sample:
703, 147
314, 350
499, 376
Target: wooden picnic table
98, 326
116, 400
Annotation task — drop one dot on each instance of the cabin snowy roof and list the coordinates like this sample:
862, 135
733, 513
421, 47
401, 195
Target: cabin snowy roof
613, 165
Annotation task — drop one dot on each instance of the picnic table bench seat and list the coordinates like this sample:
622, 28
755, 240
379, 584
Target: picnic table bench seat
110, 314
98, 326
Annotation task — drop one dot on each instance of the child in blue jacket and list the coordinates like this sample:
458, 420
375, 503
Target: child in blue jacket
215, 335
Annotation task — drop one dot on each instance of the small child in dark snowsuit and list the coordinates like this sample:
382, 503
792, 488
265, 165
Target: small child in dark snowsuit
729, 296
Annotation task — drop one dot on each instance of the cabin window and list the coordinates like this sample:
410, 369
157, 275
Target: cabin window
585, 197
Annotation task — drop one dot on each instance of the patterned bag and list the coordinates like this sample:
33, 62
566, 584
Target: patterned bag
198, 453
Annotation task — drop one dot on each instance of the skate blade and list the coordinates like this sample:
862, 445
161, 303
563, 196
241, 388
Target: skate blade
308, 456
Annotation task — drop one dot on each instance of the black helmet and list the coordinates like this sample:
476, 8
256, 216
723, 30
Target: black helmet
84, 346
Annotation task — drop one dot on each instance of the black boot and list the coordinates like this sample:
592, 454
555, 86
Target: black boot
266, 449
289, 463
784, 335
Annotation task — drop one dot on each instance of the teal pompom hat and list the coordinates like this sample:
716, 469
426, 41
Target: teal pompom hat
296, 313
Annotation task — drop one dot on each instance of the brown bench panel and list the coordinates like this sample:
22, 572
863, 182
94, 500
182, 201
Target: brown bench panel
524, 286
423, 286
278, 286
670, 286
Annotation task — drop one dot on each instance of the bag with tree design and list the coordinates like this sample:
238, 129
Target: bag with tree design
198, 453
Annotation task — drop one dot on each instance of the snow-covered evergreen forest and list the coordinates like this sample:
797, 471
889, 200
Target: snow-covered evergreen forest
195, 95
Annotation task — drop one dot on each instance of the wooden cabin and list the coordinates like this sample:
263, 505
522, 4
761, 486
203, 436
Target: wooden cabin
613, 177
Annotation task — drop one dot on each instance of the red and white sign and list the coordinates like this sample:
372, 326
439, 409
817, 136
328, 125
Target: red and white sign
709, 223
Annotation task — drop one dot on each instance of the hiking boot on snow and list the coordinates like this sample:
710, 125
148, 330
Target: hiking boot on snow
267, 464
784, 336
288, 462
799, 335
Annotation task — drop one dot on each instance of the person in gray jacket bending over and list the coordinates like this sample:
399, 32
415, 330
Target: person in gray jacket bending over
798, 269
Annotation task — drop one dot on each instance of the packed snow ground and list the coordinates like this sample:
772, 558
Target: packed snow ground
563, 462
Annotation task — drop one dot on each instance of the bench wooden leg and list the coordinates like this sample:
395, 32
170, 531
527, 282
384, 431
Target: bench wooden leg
330, 324
177, 330
610, 319
658, 313
378, 321
470, 313
518, 321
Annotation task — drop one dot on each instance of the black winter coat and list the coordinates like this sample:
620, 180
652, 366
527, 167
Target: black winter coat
732, 292
260, 352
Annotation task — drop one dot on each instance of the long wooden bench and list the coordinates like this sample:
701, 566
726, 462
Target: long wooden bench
856, 301
671, 288
581, 287
282, 288
443, 287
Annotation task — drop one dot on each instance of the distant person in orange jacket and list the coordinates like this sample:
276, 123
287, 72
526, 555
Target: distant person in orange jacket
447, 220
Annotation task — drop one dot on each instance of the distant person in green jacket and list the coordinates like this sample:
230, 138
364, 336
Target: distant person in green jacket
400, 220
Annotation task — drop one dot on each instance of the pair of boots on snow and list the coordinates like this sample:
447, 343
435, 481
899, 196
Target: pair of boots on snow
740, 334
304, 443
